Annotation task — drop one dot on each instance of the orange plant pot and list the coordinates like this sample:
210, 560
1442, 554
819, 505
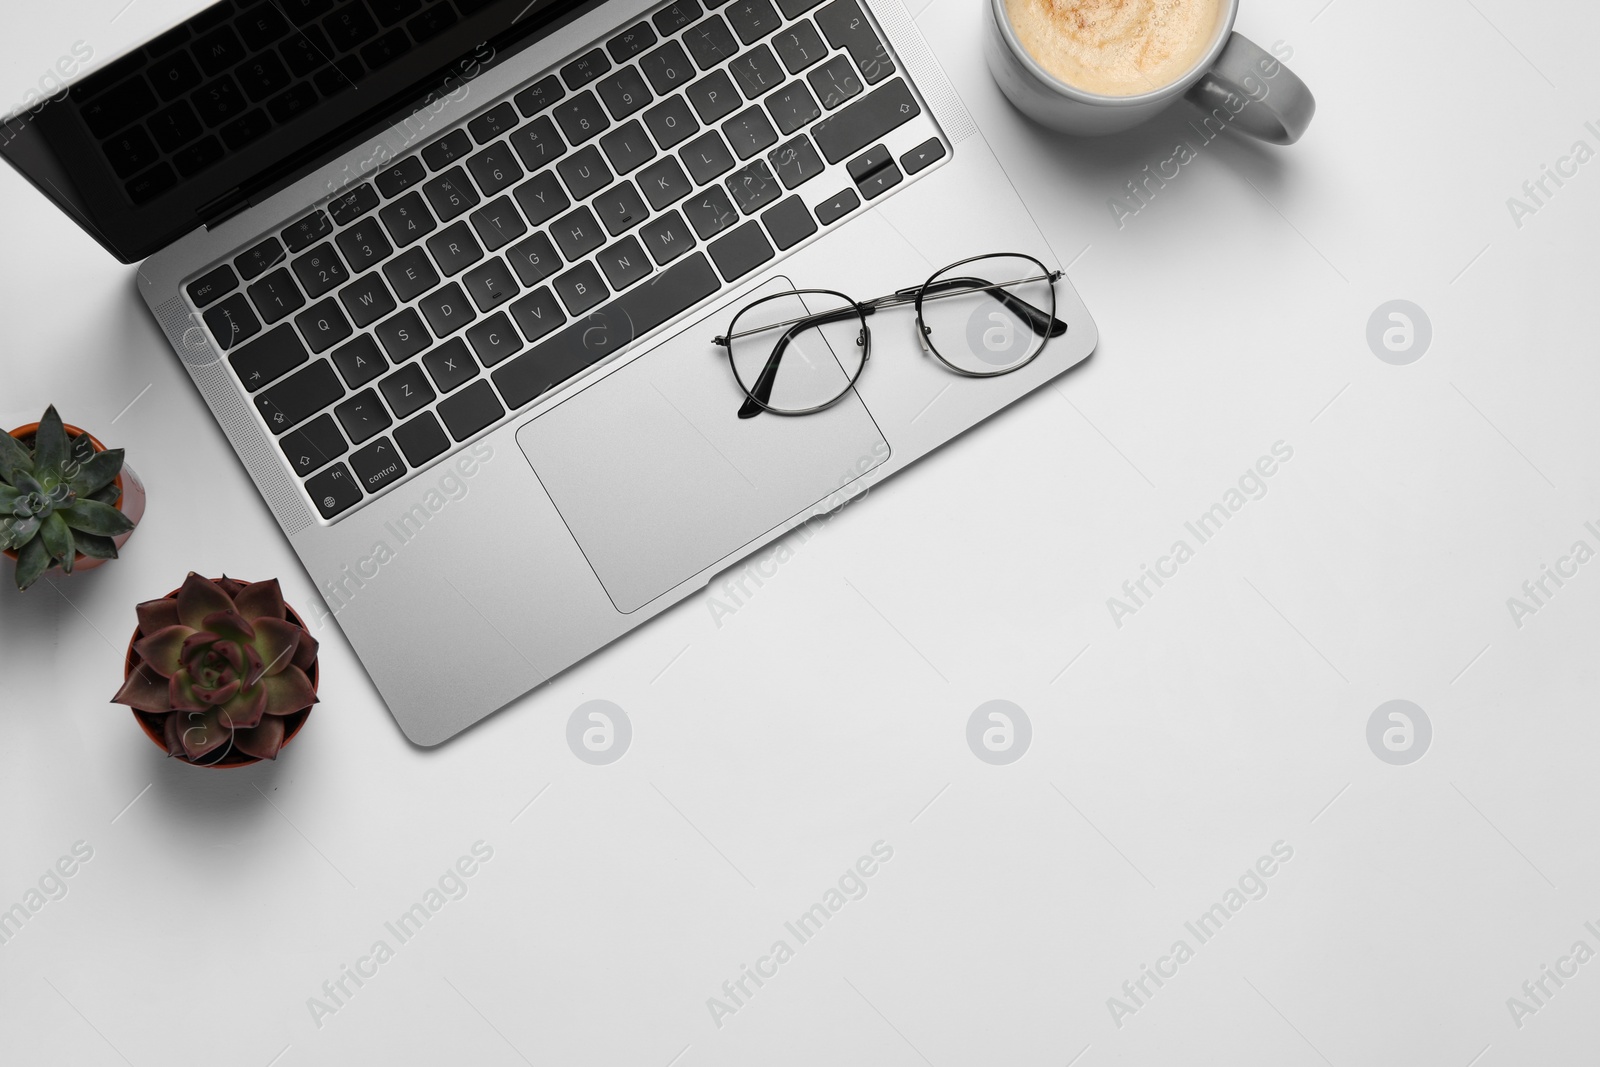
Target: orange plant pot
130, 497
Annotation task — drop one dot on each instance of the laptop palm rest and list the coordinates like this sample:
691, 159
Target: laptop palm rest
658, 478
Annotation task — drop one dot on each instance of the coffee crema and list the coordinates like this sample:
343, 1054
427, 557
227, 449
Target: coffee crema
1116, 47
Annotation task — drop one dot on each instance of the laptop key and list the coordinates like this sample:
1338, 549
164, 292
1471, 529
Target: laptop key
578, 233
624, 92
320, 270
668, 68
323, 325
447, 149
628, 148
538, 96
580, 288
498, 223
741, 251
363, 416
630, 42
353, 205
581, 118
470, 410
792, 107
212, 286
411, 275
624, 263
671, 122
334, 491
446, 310
454, 248
664, 183
620, 207
838, 206
498, 120
450, 365
451, 194
757, 71
367, 300
752, 19
674, 17
585, 173
795, 8
494, 340
714, 96
490, 285
795, 161
667, 237
264, 361
313, 446
260, 258
800, 46
926, 153
789, 222
407, 390
542, 198
710, 211
706, 157
364, 244
407, 219
359, 361
852, 128
604, 331
298, 397
846, 27
535, 259
276, 295
400, 177
377, 465
403, 336
495, 168
301, 234
538, 143
585, 69
749, 132
835, 82
710, 42
537, 314
753, 187
421, 439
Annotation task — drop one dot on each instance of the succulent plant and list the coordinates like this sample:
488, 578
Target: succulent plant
224, 662
57, 499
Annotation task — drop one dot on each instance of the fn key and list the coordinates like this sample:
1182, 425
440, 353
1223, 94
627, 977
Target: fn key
334, 490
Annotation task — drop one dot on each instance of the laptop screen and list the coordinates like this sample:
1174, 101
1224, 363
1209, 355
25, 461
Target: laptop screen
247, 97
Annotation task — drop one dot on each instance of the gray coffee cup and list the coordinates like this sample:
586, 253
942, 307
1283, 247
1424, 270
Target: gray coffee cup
1237, 81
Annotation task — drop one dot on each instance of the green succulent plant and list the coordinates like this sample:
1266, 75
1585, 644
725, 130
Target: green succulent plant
224, 663
58, 499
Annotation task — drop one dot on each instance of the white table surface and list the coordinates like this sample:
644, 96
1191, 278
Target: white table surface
829, 711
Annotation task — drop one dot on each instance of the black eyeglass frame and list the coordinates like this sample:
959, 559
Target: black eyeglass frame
1043, 324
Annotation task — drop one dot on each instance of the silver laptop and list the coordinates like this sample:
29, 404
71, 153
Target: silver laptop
448, 274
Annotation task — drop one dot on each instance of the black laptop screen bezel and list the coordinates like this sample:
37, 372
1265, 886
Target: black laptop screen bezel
52, 145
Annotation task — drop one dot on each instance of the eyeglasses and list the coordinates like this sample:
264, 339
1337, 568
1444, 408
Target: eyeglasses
800, 352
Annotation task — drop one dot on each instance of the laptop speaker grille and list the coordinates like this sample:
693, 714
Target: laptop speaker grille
925, 71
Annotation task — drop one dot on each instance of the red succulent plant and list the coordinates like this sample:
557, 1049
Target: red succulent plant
225, 663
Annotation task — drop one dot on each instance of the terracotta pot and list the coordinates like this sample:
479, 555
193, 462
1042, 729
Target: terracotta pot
152, 723
130, 497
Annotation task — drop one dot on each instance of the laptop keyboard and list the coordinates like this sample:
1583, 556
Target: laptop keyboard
417, 310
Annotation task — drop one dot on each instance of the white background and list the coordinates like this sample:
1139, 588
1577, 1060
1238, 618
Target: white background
829, 711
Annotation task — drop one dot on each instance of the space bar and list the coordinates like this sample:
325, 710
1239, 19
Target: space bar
606, 330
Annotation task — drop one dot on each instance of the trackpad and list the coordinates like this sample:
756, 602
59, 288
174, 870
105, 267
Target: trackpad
658, 478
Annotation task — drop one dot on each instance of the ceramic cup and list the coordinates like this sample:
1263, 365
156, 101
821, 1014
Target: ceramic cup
1237, 82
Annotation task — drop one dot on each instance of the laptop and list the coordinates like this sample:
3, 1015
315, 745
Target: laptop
448, 273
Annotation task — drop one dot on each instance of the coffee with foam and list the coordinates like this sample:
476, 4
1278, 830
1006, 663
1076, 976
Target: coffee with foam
1116, 47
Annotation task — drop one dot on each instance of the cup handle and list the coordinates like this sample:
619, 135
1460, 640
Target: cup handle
1255, 93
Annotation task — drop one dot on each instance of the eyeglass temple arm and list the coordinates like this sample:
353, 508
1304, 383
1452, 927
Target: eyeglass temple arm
762, 388
1041, 322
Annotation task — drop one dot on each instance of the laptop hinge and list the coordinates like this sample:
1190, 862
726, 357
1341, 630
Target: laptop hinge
224, 207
